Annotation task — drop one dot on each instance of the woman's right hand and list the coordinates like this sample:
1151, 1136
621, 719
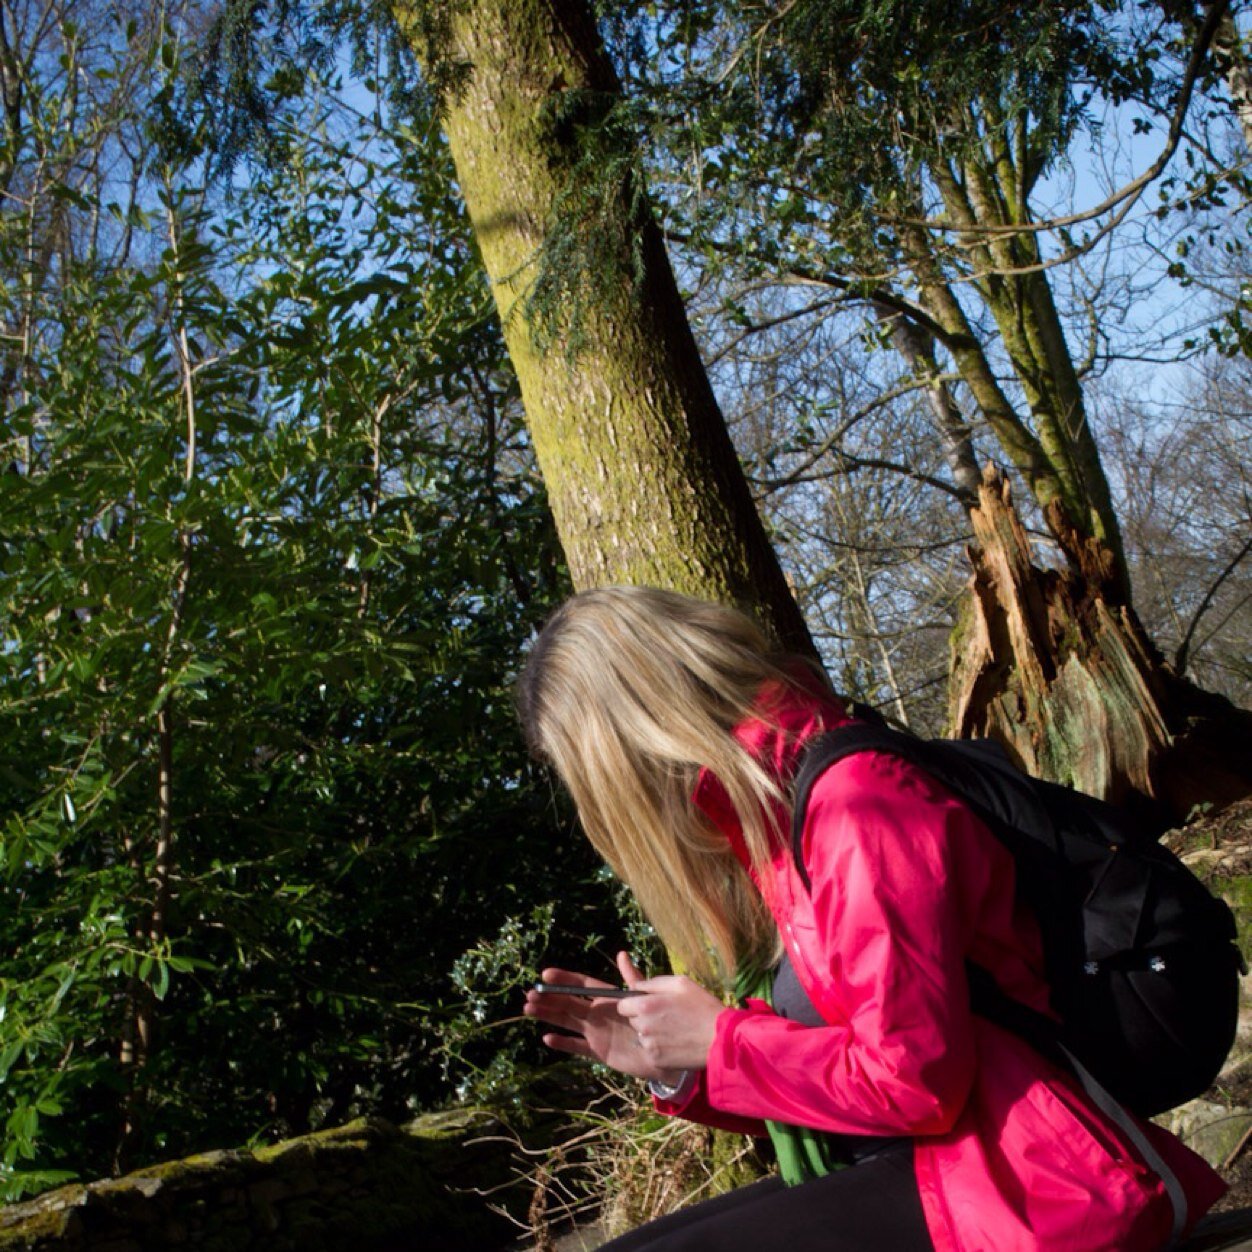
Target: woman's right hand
598, 1031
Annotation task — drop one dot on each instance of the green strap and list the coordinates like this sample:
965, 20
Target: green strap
803, 1154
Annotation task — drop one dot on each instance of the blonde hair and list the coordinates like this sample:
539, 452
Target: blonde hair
627, 692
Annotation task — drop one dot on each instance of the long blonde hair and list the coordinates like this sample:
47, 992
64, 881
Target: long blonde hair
627, 692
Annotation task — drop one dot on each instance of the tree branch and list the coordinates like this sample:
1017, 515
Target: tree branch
850, 464
1182, 655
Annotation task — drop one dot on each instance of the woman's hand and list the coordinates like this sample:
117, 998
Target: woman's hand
656, 1035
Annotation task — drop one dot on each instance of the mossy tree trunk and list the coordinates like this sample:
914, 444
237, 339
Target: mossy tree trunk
643, 480
644, 483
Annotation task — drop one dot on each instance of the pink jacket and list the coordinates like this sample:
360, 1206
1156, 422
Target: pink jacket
907, 884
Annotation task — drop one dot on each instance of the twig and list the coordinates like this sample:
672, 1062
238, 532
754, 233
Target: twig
1244, 1139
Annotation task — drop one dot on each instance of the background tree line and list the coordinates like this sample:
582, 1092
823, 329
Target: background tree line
758, 289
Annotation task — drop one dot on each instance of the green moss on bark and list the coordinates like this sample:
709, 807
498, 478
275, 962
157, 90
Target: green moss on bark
643, 480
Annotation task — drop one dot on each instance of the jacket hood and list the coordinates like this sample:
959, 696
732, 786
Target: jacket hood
786, 716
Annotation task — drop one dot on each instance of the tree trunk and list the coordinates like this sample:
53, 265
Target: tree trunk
981, 195
644, 483
1069, 681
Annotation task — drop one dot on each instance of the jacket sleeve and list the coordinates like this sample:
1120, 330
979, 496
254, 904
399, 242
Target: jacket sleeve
898, 869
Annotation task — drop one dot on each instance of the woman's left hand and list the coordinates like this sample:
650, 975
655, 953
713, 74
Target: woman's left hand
656, 1035
675, 1022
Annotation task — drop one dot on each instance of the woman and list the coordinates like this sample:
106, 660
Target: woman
910, 1123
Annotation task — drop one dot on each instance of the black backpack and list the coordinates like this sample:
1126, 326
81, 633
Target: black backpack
1141, 957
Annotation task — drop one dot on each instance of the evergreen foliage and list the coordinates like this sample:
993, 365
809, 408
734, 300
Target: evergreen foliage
270, 545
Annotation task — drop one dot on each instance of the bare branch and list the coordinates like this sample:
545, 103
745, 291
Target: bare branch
884, 398
849, 464
1182, 655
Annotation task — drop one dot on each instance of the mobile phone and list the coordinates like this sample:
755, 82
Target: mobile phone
587, 993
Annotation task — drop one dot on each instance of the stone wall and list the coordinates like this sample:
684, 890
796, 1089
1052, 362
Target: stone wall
368, 1186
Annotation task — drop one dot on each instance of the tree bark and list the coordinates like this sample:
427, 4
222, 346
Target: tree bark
1068, 680
644, 482
1231, 56
917, 350
1019, 297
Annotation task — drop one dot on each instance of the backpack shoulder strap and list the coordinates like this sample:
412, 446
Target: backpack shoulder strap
977, 771
981, 776
830, 748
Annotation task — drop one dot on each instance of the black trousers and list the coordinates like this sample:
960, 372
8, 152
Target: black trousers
870, 1207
